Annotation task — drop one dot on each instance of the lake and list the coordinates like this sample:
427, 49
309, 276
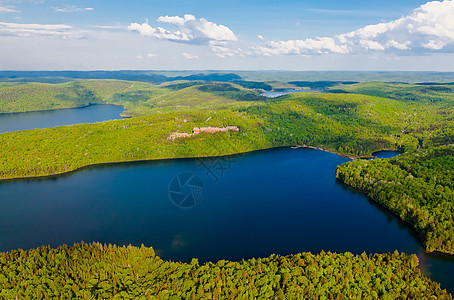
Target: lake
384, 154
274, 94
273, 201
60, 117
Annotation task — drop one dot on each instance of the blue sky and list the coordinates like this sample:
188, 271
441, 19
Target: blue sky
228, 35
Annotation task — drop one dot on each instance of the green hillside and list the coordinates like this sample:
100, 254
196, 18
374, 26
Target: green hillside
349, 124
428, 93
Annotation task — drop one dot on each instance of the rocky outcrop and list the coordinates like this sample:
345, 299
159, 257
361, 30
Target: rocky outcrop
197, 130
174, 135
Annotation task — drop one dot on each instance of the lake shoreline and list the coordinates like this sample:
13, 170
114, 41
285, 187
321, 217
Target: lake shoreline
67, 173
170, 161
324, 150
419, 236
177, 158
409, 225
31, 120
345, 155
131, 162
58, 109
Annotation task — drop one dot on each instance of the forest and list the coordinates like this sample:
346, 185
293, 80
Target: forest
417, 186
99, 271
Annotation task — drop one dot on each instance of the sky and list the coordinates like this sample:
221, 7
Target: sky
301, 35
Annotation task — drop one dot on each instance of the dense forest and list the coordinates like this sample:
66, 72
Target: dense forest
349, 124
417, 186
99, 271
422, 92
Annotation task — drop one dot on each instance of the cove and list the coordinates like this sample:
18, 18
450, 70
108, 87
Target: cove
273, 201
59, 117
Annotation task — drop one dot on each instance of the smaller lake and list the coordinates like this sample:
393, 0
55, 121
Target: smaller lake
60, 117
385, 154
274, 94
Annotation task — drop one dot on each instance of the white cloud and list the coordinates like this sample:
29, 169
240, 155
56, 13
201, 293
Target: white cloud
188, 30
260, 37
429, 27
151, 55
371, 45
139, 57
72, 8
8, 10
434, 45
308, 46
176, 20
400, 46
189, 56
42, 30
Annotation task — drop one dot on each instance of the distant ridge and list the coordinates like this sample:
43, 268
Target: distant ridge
144, 76
241, 77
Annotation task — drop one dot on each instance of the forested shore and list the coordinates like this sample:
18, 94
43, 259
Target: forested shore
98, 271
417, 187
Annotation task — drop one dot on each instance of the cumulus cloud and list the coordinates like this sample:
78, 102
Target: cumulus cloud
399, 46
371, 45
8, 10
42, 30
151, 55
429, 27
72, 8
189, 29
434, 45
308, 46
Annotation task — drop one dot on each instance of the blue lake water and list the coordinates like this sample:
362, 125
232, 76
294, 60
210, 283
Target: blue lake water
274, 201
52, 118
274, 94
384, 154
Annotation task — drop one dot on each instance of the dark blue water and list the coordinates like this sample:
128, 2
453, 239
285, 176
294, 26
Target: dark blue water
274, 94
52, 118
276, 201
384, 154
